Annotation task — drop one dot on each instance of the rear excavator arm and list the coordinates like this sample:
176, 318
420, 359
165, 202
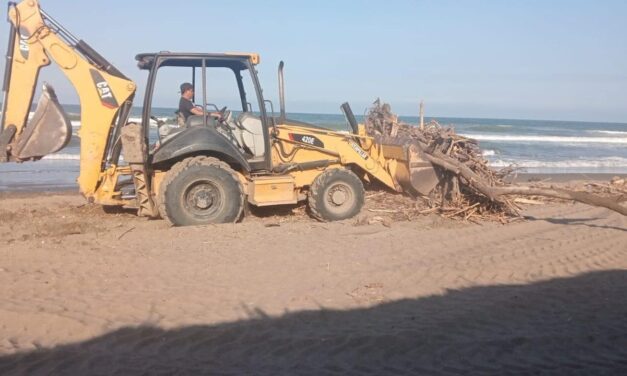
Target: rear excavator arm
36, 40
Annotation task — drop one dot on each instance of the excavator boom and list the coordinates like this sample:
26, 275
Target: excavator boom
35, 41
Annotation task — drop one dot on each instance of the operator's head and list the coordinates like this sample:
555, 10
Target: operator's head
187, 90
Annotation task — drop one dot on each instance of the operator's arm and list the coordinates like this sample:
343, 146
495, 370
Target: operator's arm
187, 107
196, 110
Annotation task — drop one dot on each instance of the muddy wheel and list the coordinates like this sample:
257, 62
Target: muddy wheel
335, 195
199, 191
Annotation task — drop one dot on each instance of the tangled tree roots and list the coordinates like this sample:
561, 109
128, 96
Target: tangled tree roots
469, 188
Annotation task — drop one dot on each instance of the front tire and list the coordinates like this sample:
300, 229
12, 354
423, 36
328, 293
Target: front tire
335, 195
201, 191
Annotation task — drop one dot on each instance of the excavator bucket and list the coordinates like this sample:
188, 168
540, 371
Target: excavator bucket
412, 171
49, 130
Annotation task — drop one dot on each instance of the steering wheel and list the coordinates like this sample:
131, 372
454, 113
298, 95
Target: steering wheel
224, 114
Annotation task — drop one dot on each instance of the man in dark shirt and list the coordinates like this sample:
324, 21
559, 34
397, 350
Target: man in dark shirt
187, 108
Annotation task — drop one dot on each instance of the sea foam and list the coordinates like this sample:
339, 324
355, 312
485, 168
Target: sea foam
610, 162
62, 157
550, 139
618, 133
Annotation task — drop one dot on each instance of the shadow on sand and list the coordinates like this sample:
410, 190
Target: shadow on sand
563, 326
575, 222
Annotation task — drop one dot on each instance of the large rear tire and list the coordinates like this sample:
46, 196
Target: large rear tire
200, 191
335, 195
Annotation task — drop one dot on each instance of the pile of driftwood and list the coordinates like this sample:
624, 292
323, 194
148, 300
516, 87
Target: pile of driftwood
469, 188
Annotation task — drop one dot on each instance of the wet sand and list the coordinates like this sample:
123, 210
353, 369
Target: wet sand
85, 292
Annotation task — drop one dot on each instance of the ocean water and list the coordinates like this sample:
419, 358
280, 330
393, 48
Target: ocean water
534, 146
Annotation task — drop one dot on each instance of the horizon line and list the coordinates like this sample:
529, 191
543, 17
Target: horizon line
428, 116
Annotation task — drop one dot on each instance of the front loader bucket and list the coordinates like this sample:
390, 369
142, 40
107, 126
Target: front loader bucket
423, 177
412, 171
49, 131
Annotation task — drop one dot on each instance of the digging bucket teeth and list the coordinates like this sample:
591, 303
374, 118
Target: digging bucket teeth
49, 130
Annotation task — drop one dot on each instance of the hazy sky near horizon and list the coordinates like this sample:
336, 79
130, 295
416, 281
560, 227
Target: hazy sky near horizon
530, 59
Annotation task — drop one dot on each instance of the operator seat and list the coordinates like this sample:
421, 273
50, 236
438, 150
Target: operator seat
252, 134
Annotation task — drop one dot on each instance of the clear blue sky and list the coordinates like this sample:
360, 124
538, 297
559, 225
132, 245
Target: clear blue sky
478, 58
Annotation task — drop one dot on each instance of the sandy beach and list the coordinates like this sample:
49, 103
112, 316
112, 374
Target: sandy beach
474, 153
85, 292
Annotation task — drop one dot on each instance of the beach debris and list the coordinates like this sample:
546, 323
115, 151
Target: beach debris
126, 233
469, 188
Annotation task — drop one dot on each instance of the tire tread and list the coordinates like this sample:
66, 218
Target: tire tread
183, 165
319, 184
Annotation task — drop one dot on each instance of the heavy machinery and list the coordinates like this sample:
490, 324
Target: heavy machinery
207, 170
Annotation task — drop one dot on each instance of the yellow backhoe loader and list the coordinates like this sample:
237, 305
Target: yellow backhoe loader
209, 168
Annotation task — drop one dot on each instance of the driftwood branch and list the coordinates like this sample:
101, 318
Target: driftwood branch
612, 203
458, 168
495, 193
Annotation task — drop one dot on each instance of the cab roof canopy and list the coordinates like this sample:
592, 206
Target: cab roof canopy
235, 61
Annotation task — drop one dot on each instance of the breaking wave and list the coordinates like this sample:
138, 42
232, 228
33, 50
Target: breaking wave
607, 163
549, 139
62, 157
617, 133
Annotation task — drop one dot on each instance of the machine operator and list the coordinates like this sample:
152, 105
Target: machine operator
187, 108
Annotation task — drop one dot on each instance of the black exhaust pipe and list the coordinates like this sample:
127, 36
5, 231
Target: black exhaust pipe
350, 117
282, 91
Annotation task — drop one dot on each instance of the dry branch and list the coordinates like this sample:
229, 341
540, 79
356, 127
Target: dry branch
612, 203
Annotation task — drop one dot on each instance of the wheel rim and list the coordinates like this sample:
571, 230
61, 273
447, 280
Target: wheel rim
203, 198
339, 198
